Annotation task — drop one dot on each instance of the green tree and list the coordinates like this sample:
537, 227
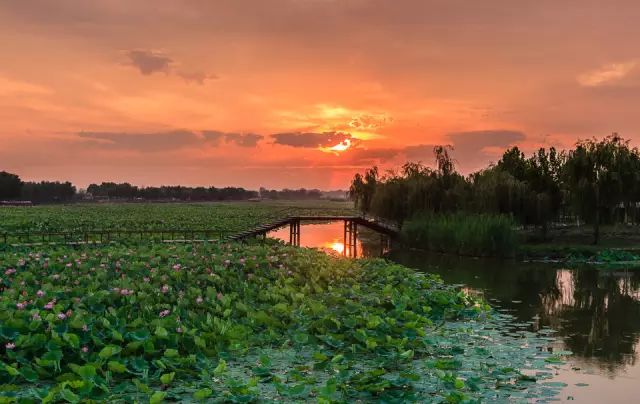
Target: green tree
594, 173
10, 185
362, 189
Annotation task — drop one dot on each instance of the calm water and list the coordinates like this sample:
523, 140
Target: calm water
329, 237
596, 313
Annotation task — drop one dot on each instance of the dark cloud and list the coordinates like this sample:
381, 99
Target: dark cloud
471, 150
167, 141
474, 149
372, 156
480, 139
149, 142
239, 139
213, 136
243, 139
422, 152
149, 62
197, 77
310, 139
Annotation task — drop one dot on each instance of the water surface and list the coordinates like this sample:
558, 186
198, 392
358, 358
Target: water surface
329, 237
595, 312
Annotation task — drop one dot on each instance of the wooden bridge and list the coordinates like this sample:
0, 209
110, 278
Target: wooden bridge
387, 230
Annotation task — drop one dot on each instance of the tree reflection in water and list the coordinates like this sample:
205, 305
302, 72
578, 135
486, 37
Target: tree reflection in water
596, 312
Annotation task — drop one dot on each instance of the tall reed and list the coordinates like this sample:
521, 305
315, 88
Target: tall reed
462, 233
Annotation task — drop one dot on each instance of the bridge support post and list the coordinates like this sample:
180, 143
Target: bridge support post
385, 243
344, 239
354, 239
350, 238
291, 233
294, 233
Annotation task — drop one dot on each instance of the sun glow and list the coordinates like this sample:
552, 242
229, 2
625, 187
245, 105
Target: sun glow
340, 147
336, 246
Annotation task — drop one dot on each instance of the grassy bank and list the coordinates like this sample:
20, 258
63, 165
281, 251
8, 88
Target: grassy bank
497, 236
463, 234
230, 322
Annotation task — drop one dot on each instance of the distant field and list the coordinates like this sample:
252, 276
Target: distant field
223, 216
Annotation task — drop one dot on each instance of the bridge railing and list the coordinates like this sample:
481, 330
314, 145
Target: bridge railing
383, 222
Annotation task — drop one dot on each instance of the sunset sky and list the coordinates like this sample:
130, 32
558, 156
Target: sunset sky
292, 93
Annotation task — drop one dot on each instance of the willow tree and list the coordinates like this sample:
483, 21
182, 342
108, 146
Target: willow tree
363, 188
595, 173
532, 185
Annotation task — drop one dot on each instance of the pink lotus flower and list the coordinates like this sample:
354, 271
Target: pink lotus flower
10, 345
199, 300
10, 271
242, 261
164, 313
85, 349
35, 316
165, 288
177, 267
62, 316
40, 293
21, 306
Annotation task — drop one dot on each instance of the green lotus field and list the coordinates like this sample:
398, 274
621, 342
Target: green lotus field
138, 321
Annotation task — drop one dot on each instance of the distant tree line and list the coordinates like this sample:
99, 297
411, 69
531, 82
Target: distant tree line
112, 190
596, 182
291, 194
12, 188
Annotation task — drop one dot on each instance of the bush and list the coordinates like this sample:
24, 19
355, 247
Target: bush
462, 233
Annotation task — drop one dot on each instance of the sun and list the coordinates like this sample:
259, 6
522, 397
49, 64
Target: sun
336, 246
340, 147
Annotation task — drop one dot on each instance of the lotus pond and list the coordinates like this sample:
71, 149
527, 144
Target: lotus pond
222, 216
231, 322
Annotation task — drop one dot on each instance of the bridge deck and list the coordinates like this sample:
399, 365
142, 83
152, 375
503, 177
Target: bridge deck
373, 224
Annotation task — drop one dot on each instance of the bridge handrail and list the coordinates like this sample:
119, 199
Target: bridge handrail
380, 220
